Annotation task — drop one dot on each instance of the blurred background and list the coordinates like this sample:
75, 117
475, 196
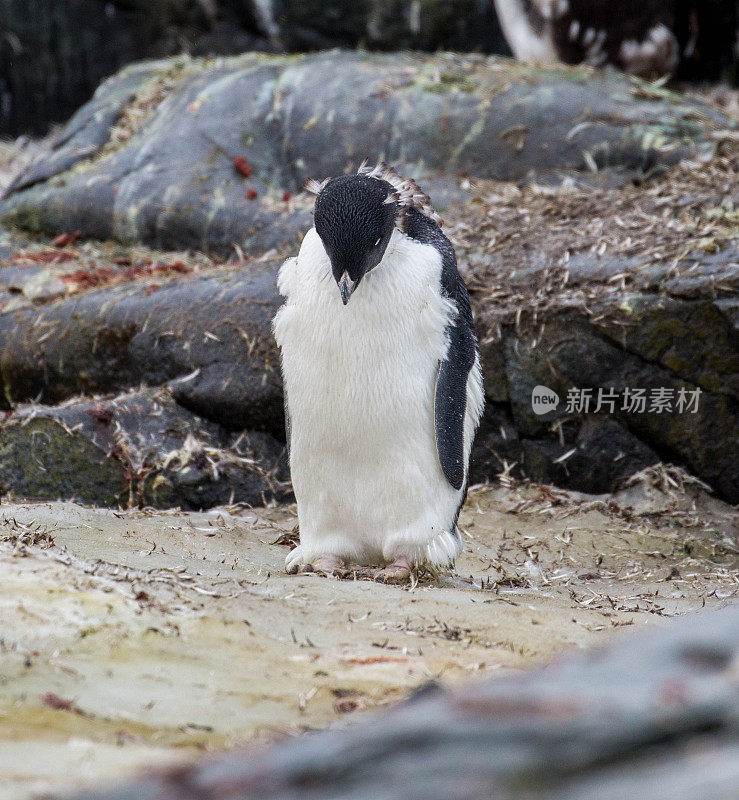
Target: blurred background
54, 53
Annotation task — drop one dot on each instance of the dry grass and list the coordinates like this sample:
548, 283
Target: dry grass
145, 102
515, 244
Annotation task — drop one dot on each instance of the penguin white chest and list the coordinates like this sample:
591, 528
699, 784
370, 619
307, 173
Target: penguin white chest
360, 382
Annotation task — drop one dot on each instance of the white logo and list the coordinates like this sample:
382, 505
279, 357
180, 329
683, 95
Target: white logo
543, 400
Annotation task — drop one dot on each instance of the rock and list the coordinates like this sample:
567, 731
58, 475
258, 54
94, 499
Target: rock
89, 129
570, 355
618, 722
209, 337
164, 173
557, 304
608, 291
592, 452
138, 449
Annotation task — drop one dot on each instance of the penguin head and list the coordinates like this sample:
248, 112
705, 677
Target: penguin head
355, 218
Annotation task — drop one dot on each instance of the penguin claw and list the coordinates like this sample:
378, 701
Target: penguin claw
293, 560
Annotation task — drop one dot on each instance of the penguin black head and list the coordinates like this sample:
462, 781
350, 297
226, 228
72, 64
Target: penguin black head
355, 217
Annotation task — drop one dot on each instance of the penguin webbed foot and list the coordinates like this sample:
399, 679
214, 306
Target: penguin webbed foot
324, 565
398, 572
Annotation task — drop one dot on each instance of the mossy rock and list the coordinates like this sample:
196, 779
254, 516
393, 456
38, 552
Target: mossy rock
137, 449
42, 458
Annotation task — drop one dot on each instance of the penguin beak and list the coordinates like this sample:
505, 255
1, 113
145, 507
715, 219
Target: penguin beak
346, 287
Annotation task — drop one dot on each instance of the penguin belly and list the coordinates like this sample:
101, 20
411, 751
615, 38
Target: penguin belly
360, 384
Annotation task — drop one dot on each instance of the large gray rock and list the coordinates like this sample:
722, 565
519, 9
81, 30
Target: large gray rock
166, 176
558, 306
598, 450
208, 337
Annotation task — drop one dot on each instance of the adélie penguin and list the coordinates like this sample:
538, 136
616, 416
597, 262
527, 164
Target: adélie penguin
383, 388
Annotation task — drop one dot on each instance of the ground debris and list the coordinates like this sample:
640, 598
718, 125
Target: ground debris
158, 607
23, 535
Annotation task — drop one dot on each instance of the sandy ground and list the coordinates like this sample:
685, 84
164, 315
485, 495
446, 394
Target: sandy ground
134, 638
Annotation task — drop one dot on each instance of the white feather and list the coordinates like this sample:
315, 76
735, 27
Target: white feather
360, 384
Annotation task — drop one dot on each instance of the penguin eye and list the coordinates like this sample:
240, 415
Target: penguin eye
378, 241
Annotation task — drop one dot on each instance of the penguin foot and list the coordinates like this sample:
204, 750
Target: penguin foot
325, 565
397, 572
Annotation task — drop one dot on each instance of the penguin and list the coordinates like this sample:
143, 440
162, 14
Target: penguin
638, 39
382, 380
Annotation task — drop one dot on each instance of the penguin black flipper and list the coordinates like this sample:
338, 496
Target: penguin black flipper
450, 399
287, 420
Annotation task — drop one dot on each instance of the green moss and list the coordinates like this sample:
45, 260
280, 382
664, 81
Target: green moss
160, 493
26, 217
676, 363
475, 130
449, 81
558, 73
661, 333
43, 459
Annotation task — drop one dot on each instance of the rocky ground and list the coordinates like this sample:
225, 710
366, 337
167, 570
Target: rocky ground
133, 638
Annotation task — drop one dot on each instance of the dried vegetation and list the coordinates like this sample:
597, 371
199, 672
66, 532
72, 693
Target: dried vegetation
516, 244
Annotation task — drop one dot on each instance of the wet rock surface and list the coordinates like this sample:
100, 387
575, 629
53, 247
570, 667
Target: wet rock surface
206, 154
